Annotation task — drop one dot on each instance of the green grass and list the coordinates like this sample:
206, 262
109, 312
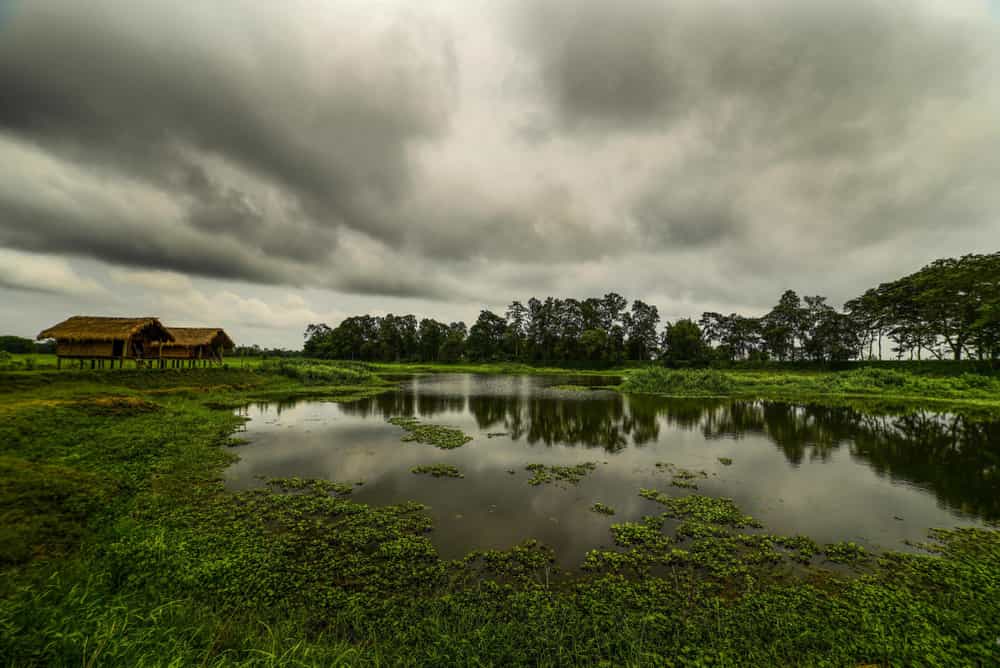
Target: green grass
487, 368
866, 382
120, 546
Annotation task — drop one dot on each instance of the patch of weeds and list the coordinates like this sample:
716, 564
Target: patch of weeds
845, 552
311, 486
542, 474
725, 461
497, 434
118, 406
438, 470
682, 477
446, 438
710, 509
603, 509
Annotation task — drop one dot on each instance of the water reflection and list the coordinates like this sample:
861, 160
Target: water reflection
835, 473
953, 455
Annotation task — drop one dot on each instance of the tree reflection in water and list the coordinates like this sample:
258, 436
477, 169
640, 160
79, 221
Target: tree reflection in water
955, 456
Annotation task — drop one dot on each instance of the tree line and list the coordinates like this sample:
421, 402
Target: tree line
949, 308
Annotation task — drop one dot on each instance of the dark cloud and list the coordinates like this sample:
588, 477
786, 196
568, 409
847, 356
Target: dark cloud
702, 151
169, 94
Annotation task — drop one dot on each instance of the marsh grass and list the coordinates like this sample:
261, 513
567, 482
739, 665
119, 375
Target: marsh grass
123, 548
871, 382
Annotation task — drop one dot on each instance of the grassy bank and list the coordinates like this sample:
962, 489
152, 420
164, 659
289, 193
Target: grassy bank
120, 546
867, 382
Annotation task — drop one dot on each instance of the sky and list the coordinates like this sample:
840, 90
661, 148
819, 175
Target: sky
262, 165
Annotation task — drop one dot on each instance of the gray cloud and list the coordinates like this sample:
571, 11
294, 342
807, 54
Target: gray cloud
187, 99
699, 152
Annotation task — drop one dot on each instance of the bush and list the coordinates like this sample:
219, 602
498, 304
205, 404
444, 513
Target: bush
319, 372
654, 379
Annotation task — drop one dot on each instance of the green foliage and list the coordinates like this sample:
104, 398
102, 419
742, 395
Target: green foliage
654, 379
439, 470
845, 553
599, 507
542, 474
446, 438
316, 372
132, 553
864, 381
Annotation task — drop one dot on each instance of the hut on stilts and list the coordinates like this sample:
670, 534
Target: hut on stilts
195, 346
103, 340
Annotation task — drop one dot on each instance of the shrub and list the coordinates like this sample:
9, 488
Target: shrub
680, 381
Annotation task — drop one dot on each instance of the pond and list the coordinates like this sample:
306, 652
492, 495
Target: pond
831, 473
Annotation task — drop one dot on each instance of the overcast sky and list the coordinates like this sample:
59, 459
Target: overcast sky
263, 165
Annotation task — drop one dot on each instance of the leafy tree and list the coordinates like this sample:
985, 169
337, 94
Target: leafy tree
683, 344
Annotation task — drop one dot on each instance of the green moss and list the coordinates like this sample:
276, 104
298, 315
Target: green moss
439, 470
446, 438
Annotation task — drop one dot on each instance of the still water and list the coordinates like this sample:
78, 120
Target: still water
830, 473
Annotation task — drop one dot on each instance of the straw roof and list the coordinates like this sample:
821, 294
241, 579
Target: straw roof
98, 328
201, 336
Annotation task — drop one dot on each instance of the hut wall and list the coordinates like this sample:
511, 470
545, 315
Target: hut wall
84, 348
177, 352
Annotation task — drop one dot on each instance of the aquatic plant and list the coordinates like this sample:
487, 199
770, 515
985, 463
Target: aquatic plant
439, 470
122, 547
542, 474
599, 507
846, 552
446, 438
725, 461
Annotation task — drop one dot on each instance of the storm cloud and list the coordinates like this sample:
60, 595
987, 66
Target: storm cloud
698, 154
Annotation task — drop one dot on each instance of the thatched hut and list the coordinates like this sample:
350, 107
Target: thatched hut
100, 338
207, 344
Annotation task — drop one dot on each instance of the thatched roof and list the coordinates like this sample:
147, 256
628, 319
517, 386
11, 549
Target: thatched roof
201, 336
99, 328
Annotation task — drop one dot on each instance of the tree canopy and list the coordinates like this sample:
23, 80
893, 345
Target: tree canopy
949, 308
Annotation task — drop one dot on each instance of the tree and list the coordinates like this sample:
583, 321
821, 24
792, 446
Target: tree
486, 337
683, 344
432, 336
781, 327
453, 348
640, 328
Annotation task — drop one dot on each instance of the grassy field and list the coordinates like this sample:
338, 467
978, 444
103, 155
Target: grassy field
882, 384
120, 546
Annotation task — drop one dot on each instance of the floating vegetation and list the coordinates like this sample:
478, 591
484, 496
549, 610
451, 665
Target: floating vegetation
714, 510
571, 388
542, 474
725, 461
439, 470
603, 509
311, 485
682, 477
496, 434
846, 552
437, 435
